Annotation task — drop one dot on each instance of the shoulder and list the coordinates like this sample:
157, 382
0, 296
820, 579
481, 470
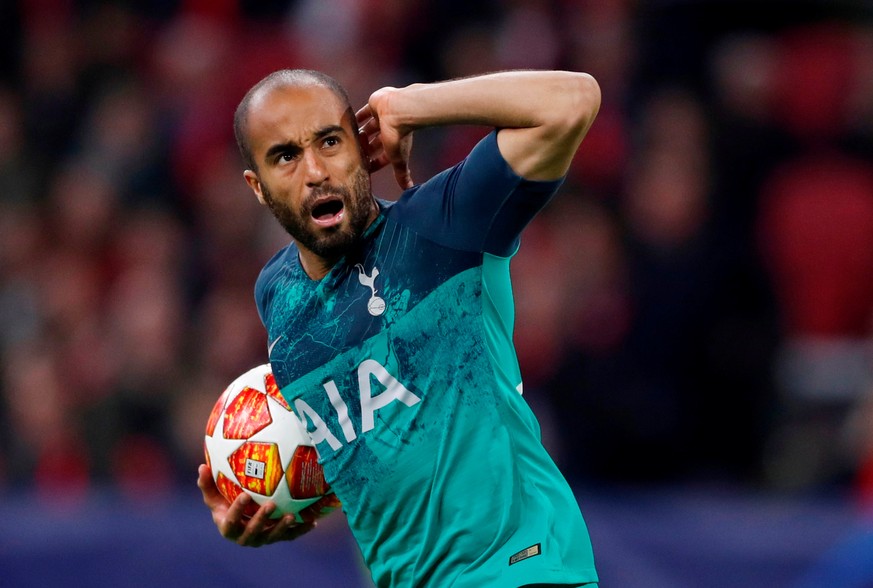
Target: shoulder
479, 204
283, 257
483, 171
276, 266
483, 166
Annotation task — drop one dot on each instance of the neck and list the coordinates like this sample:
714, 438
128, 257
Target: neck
315, 266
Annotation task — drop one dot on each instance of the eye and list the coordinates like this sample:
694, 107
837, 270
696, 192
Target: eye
331, 141
287, 157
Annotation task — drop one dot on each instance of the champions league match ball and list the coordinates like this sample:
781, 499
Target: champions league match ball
256, 444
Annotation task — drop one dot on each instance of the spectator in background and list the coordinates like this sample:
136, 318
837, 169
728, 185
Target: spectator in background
113, 185
18, 179
817, 236
668, 391
815, 223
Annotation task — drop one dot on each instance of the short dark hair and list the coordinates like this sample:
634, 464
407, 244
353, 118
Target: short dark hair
277, 79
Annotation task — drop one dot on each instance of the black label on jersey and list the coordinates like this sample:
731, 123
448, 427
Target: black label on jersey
525, 554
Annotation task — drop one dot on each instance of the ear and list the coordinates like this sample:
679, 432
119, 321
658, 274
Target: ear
255, 184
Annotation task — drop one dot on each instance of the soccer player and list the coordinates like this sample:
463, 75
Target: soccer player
389, 325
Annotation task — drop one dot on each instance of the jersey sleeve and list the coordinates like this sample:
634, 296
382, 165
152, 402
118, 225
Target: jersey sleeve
480, 204
261, 297
263, 289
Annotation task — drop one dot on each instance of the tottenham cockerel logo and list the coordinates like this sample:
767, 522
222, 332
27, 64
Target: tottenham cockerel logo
376, 305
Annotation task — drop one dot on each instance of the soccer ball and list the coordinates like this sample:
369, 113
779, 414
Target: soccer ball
255, 443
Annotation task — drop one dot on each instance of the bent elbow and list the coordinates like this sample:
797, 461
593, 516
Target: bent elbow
575, 101
583, 103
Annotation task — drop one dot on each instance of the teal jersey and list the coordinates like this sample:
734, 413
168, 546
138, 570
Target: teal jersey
401, 365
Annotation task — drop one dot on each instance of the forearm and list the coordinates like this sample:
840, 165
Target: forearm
543, 115
513, 99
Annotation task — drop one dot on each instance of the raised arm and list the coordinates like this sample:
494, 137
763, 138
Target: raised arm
542, 117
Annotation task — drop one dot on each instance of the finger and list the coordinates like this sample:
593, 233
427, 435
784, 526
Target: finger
374, 143
204, 477
377, 162
257, 527
403, 176
363, 114
288, 529
211, 495
281, 529
376, 155
398, 150
369, 126
232, 523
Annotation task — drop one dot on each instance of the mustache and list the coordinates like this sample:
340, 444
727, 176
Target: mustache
319, 193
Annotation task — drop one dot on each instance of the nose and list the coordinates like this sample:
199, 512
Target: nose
315, 170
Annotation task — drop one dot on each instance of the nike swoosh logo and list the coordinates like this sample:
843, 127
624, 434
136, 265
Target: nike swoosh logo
273, 344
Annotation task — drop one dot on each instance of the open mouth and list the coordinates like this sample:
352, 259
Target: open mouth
328, 212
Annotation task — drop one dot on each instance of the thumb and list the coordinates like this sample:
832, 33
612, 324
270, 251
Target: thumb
403, 176
399, 153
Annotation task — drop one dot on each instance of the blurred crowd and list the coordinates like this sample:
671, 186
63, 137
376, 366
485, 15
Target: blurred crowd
697, 305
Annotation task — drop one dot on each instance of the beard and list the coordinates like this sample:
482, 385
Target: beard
330, 242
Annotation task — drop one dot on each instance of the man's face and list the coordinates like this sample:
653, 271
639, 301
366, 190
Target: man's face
310, 169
